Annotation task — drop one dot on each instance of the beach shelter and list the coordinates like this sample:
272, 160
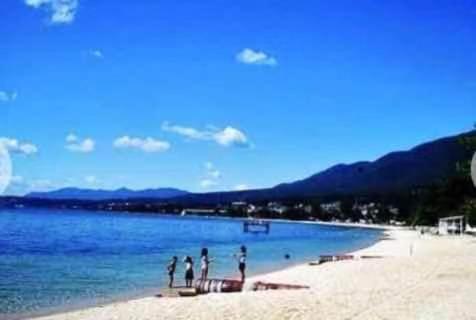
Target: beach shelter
451, 225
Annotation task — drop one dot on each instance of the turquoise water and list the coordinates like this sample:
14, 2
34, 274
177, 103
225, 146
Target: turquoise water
55, 260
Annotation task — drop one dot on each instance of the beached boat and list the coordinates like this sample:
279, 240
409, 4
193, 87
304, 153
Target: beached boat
259, 286
218, 285
331, 258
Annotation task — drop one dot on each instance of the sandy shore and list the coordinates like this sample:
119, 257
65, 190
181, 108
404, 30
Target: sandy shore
419, 278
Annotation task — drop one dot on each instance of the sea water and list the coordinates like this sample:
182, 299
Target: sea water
54, 260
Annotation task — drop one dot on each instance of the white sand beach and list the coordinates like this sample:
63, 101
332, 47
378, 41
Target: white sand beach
438, 281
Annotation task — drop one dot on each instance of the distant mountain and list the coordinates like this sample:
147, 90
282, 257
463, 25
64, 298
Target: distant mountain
396, 171
419, 166
123, 193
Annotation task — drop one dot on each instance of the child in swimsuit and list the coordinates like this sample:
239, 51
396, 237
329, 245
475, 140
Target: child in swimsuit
171, 269
242, 262
188, 271
205, 261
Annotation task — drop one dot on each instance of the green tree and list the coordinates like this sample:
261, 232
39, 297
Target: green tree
469, 142
468, 209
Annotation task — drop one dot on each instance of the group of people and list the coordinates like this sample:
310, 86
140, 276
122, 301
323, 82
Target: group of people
204, 266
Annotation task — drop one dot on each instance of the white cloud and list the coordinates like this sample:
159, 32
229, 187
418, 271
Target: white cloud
8, 96
226, 137
208, 183
212, 176
16, 146
91, 179
62, 11
212, 172
96, 53
17, 186
74, 144
147, 145
187, 132
241, 187
71, 138
41, 185
16, 180
231, 137
215, 174
21, 185
250, 56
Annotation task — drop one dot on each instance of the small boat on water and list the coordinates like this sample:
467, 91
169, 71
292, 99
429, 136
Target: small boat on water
256, 226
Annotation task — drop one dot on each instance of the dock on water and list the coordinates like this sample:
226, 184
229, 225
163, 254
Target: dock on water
256, 226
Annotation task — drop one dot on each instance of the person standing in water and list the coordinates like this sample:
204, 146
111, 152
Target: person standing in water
188, 271
205, 262
242, 262
171, 269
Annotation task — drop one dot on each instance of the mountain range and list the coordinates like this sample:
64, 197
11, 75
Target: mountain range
396, 171
120, 194
422, 165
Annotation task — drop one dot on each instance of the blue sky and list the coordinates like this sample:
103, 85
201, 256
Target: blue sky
219, 95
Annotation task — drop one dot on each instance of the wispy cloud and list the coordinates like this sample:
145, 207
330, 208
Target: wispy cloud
212, 172
250, 56
71, 138
74, 144
61, 11
208, 183
212, 176
15, 146
187, 132
41, 185
8, 96
147, 144
20, 185
96, 53
91, 180
226, 137
16, 180
241, 187
16, 185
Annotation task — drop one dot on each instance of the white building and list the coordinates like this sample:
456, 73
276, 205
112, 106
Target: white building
451, 225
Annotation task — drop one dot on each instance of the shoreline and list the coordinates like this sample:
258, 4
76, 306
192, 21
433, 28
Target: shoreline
145, 293
127, 297
56, 313
360, 251
423, 277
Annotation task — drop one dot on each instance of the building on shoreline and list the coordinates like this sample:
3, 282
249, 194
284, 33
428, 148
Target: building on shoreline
451, 225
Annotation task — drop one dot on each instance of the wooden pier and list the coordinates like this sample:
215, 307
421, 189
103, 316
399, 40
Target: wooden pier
256, 226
